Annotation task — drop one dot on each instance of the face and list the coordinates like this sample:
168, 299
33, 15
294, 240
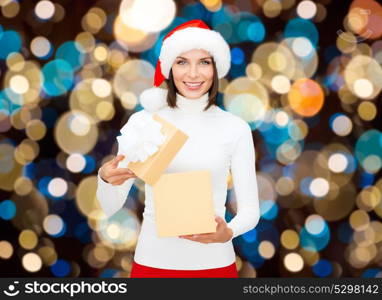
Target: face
193, 73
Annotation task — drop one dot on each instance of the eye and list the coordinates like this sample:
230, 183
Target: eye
180, 62
206, 62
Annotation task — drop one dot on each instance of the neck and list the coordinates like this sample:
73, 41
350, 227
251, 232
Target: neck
189, 105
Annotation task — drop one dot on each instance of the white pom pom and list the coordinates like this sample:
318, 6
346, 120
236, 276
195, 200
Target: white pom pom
153, 99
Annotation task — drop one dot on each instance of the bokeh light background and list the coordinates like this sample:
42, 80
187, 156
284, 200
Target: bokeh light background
306, 76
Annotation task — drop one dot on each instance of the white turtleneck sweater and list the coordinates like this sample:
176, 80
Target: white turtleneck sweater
218, 141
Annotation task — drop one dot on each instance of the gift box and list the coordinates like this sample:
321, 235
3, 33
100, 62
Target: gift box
183, 204
153, 166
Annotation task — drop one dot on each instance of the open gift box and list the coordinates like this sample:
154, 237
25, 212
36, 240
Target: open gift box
152, 168
183, 204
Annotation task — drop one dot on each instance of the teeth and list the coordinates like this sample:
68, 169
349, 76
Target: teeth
193, 84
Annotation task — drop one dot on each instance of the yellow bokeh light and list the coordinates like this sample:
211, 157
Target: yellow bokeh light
94, 20
44, 9
363, 76
28, 239
105, 110
147, 16
359, 220
253, 71
35, 129
280, 84
367, 110
129, 100
284, 186
48, 255
6, 249
272, 8
86, 199
31, 262
267, 249
290, 239
293, 262
10, 9
19, 84
75, 132
23, 186
100, 53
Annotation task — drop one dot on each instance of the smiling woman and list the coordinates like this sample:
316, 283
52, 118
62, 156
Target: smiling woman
192, 59
192, 75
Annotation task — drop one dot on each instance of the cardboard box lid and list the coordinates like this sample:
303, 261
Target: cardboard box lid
152, 168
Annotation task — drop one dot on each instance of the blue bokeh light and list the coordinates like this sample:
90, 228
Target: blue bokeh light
302, 28
237, 56
10, 41
256, 32
60, 268
268, 209
250, 236
372, 273
315, 242
72, 53
7, 209
323, 268
58, 77
90, 164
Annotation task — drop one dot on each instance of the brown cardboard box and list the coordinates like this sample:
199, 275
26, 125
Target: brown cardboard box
152, 168
183, 204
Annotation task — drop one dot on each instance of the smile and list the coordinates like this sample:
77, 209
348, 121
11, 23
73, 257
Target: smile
193, 85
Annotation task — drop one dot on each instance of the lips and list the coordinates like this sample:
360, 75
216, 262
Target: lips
193, 85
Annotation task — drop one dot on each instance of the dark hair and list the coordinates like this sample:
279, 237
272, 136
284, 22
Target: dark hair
213, 91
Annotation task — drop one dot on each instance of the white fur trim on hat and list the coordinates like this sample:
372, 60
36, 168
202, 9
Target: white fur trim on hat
153, 99
195, 38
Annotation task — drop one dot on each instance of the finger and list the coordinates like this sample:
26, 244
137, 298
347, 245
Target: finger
189, 237
119, 171
208, 234
119, 182
118, 178
186, 236
219, 219
112, 161
110, 173
117, 159
194, 235
116, 183
220, 222
200, 239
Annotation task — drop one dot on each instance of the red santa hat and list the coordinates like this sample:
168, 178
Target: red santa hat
194, 34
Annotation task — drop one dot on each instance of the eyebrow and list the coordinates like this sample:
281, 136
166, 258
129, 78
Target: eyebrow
199, 59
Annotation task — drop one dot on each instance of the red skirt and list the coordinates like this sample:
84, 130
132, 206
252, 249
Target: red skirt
141, 271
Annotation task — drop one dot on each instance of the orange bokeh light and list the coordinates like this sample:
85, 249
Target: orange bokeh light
306, 97
368, 15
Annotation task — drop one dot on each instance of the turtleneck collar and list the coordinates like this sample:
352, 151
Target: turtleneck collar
188, 105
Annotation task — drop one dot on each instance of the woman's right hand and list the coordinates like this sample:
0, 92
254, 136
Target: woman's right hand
113, 175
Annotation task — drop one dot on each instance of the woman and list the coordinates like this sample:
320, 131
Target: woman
191, 61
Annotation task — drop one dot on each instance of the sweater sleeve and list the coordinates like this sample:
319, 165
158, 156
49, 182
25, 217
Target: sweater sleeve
243, 171
111, 198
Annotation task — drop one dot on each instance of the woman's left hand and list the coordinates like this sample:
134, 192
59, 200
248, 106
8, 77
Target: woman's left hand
223, 234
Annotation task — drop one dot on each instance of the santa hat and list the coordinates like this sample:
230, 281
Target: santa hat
194, 34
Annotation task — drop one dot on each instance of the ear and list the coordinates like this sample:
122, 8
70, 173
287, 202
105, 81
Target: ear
153, 99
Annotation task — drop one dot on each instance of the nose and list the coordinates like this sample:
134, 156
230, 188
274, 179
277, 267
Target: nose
193, 71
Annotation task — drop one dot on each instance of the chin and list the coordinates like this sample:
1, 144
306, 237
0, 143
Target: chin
192, 94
